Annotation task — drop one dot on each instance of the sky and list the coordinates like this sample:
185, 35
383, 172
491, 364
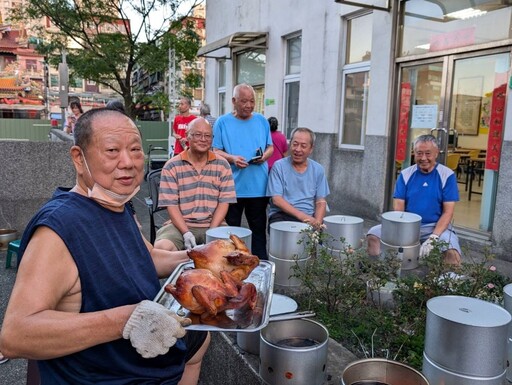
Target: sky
156, 16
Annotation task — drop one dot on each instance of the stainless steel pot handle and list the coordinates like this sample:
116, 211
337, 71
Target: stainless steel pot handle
288, 316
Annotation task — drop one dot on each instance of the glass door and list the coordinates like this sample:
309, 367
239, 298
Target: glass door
460, 100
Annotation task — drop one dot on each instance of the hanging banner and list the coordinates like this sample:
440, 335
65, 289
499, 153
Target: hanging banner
492, 161
403, 122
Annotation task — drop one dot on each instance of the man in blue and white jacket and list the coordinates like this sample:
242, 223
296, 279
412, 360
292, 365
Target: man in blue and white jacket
430, 190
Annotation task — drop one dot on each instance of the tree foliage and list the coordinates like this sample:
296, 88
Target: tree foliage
105, 40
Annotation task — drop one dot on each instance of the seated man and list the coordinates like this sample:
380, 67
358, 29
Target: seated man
297, 185
197, 187
430, 190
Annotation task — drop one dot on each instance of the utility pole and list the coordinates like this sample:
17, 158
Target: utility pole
172, 98
63, 87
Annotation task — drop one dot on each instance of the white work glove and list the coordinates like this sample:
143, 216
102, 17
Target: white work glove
190, 240
427, 246
153, 329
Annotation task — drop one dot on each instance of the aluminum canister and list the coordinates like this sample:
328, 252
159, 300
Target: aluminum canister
284, 271
400, 228
346, 228
223, 232
439, 375
381, 371
287, 240
467, 336
410, 254
294, 352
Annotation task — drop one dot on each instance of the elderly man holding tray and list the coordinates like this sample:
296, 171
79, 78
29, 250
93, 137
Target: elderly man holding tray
82, 301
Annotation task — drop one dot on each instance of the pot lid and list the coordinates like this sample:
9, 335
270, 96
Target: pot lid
289, 226
282, 304
401, 216
342, 219
225, 231
468, 311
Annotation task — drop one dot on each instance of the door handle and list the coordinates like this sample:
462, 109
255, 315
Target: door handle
442, 136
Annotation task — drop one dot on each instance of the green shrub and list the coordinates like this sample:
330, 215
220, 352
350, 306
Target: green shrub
343, 289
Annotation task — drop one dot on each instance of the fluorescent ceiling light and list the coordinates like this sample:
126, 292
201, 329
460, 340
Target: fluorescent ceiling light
466, 14
426, 47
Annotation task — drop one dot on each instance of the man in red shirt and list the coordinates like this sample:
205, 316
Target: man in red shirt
180, 125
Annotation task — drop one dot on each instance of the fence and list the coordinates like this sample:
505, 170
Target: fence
154, 133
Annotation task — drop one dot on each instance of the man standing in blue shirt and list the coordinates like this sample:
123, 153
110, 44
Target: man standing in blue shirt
297, 185
243, 138
430, 190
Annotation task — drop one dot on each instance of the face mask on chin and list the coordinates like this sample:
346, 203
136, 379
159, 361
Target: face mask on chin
106, 197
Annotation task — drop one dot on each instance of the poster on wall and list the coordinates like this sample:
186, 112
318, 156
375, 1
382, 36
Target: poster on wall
468, 105
424, 116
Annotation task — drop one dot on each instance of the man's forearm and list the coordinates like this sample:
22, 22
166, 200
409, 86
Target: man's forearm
224, 154
320, 210
177, 219
442, 224
219, 215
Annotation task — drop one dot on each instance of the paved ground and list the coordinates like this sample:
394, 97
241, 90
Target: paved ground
14, 371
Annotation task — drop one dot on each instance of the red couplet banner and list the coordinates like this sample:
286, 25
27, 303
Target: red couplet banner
403, 122
492, 161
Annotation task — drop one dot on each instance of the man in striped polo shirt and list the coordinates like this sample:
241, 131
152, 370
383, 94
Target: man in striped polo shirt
197, 187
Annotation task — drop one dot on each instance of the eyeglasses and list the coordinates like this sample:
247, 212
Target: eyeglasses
198, 136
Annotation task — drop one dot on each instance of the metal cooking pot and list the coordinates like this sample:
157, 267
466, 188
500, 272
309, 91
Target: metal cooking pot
284, 271
467, 335
284, 237
294, 352
381, 371
410, 254
345, 227
400, 228
250, 342
223, 232
438, 375
6, 236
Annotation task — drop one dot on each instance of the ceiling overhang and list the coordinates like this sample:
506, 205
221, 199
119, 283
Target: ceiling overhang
238, 41
381, 5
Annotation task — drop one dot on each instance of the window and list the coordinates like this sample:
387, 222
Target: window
31, 65
355, 106
75, 82
431, 26
221, 87
356, 81
251, 67
54, 80
292, 83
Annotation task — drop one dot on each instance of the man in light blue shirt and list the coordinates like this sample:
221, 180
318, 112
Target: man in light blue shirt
243, 138
297, 185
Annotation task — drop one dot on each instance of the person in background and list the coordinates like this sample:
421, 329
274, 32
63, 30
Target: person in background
76, 112
297, 185
91, 318
243, 138
279, 141
197, 187
180, 124
116, 104
205, 112
430, 190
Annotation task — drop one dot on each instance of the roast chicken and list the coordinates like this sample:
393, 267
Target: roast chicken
201, 292
221, 255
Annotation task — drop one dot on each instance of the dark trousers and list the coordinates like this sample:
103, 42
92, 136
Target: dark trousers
281, 217
256, 214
